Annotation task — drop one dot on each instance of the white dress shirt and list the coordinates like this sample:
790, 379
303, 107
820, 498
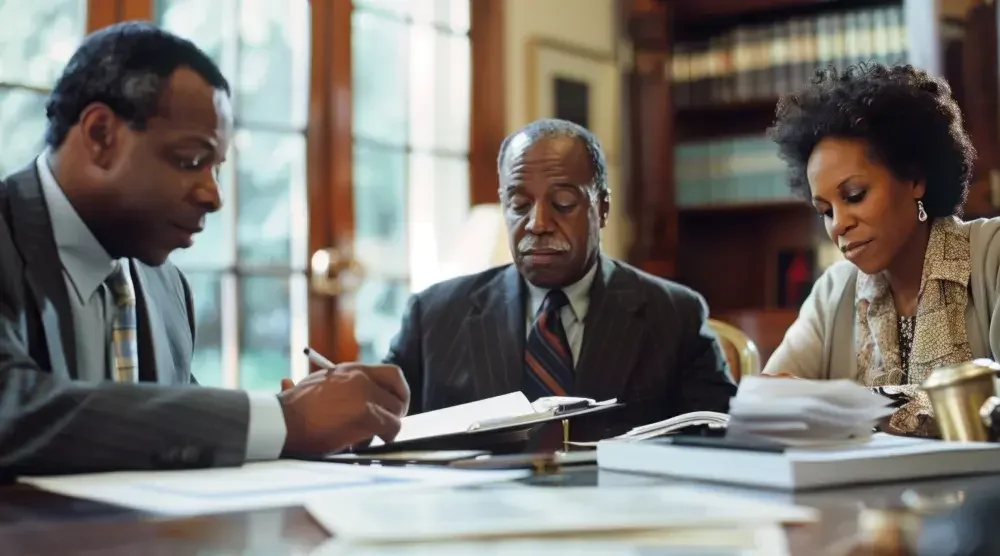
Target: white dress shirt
86, 266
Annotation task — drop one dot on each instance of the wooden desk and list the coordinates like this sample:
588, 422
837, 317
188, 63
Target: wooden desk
38, 523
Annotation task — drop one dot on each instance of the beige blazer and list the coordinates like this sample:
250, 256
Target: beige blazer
820, 343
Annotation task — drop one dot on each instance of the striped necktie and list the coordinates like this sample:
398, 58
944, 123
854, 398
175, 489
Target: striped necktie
126, 364
548, 362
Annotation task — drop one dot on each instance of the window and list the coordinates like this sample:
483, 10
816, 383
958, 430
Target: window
247, 270
411, 83
37, 38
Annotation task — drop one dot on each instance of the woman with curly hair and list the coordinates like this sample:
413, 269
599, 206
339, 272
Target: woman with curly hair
881, 154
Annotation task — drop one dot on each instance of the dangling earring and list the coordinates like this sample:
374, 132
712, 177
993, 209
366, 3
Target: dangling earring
921, 213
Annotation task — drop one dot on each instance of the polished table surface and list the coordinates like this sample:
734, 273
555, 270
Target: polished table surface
36, 522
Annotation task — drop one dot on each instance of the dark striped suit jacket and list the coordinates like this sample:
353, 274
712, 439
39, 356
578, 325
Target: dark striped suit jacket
646, 342
51, 423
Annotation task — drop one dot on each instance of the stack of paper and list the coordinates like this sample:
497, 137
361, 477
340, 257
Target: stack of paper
499, 514
803, 413
767, 540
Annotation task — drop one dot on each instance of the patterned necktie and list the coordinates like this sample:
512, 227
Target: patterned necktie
548, 362
126, 365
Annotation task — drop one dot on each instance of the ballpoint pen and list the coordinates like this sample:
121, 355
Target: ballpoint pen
319, 360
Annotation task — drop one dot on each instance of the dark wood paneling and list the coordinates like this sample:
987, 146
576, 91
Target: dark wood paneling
730, 255
978, 96
650, 205
488, 120
101, 13
329, 158
766, 327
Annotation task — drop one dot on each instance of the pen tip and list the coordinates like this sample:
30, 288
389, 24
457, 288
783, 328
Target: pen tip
305, 350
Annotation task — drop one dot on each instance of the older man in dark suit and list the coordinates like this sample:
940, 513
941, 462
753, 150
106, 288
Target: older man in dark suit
563, 319
96, 328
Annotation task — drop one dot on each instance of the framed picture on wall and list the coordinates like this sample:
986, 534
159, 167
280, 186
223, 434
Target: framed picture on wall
576, 84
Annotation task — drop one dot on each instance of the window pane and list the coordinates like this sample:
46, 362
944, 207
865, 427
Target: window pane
448, 14
207, 362
439, 204
439, 96
270, 181
37, 38
265, 332
210, 25
379, 65
378, 308
22, 127
380, 210
214, 248
273, 76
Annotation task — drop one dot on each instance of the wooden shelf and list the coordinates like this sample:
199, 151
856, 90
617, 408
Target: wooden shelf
695, 17
747, 207
701, 10
697, 123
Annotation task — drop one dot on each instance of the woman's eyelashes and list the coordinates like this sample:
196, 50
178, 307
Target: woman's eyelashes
855, 197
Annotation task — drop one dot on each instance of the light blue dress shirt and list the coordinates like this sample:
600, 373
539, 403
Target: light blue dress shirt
86, 266
571, 315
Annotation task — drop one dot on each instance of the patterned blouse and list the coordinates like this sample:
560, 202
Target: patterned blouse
897, 353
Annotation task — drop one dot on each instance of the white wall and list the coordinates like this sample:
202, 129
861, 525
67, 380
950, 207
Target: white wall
587, 24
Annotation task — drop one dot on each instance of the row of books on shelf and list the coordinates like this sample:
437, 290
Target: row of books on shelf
764, 61
732, 171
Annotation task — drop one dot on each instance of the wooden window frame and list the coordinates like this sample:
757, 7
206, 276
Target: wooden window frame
329, 134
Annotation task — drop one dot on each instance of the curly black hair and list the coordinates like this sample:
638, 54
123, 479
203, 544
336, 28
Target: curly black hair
908, 117
124, 66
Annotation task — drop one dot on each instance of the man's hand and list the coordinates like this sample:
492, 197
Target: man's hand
331, 410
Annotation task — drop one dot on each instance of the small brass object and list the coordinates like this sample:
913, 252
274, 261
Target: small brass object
958, 394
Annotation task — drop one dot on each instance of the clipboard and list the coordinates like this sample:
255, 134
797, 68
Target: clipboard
500, 436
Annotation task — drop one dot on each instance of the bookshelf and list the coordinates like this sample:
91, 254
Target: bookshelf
709, 196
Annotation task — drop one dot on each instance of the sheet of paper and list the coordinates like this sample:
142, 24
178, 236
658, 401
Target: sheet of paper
256, 485
458, 418
496, 513
768, 540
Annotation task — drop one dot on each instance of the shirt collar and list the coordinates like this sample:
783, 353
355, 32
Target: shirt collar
948, 258
83, 257
578, 294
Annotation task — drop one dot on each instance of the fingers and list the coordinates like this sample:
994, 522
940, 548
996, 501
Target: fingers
388, 377
384, 424
287, 384
778, 375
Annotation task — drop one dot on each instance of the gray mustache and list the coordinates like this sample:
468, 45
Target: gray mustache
537, 243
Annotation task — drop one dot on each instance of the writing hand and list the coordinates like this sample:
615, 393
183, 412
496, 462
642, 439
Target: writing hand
327, 412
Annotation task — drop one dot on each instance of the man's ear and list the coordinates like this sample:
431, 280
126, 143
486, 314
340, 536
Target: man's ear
99, 127
603, 207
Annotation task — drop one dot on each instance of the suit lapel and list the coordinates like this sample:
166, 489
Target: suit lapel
152, 339
496, 335
612, 333
33, 236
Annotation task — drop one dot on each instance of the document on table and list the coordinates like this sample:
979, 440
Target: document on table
255, 485
482, 514
769, 540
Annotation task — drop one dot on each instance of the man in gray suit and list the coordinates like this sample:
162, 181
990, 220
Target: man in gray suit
96, 328
563, 319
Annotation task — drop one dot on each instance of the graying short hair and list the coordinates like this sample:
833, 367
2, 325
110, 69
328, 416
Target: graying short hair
552, 127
